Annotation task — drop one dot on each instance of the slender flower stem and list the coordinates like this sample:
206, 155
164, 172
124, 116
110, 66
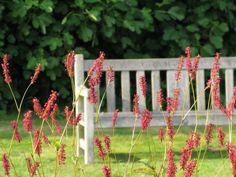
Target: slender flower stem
13, 96
195, 107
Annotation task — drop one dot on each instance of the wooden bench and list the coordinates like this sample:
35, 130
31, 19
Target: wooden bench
155, 69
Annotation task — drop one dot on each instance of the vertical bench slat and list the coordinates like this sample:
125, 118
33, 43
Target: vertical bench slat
155, 76
111, 100
88, 131
125, 90
142, 103
183, 84
79, 106
229, 84
200, 85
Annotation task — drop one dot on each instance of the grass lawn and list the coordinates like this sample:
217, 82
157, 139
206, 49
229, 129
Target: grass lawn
147, 152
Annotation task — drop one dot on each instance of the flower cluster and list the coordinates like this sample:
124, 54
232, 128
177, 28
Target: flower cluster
14, 126
95, 74
106, 171
36, 74
70, 117
136, 105
69, 63
232, 157
101, 150
5, 67
107, 142
171, 167
190, 166
37, 142
161, 134
208, 135
54, 120
114, 117
32, 167
27, 121
179, 68
220, 136
143, 85
61, 155
160, 98
110, 74
146, 119
6, 164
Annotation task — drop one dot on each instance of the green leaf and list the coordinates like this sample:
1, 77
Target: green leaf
86, 33
192, 28
161, 15
207, 50
177, 12
217, 41
204, 22
46, 5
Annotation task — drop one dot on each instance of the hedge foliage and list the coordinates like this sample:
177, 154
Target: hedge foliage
43, 31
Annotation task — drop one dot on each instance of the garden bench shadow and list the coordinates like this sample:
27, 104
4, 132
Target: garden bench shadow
162, 75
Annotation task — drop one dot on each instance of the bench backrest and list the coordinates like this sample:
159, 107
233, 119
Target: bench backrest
156, 66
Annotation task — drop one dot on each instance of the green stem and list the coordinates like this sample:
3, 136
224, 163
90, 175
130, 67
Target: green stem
14, 98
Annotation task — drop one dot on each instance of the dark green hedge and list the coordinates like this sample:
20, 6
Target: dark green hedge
44, 31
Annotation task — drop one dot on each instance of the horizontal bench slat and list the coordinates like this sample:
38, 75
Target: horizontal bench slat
158, 64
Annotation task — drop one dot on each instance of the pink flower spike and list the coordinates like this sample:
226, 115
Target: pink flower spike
5, 67
208, 135
14, 126
62, 155
146, 119
107, 142
143, 85
136, 105
191, 165
106, 171
69, 63
221, 136
6, 164
161, 134
114, 117
179, 68
37, 142
36, 74
160, 98
110, 74
27, 121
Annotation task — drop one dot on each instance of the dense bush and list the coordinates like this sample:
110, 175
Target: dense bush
34, 31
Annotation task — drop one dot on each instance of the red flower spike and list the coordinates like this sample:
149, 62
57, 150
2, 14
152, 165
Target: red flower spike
49, 105
27, 121
160, 98
208, 135
45, 138
171, 167
32, 167
143, 85
6, 164
62, 155
5, 67
14, 126
221, 136
136, 104
161, 134
184, 157
37, 142
92, 95
110, 74
37, 107
107, 142
69, 63
191, 165
114, 117
106, 171
101, 151
146, 119
179, 68
36, 74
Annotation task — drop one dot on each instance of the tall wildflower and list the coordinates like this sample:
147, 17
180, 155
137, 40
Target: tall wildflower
171, 167
160, 98
37, 107
191, 165
69, 63
69, 115
146, 119
184, 157
27, 121
170, 127
208, 135
36, 74
107, 142
5, 67
179, 68
6, 164
45, 138
175, 102
14, 126
106, 171
32, 167
220, 136
232, 157
110, 74
61, 155
192, 67
136, 105
114, 117
54, 120
143, 85
37, 142
161, 134
101, 151
49, 105
95, 74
